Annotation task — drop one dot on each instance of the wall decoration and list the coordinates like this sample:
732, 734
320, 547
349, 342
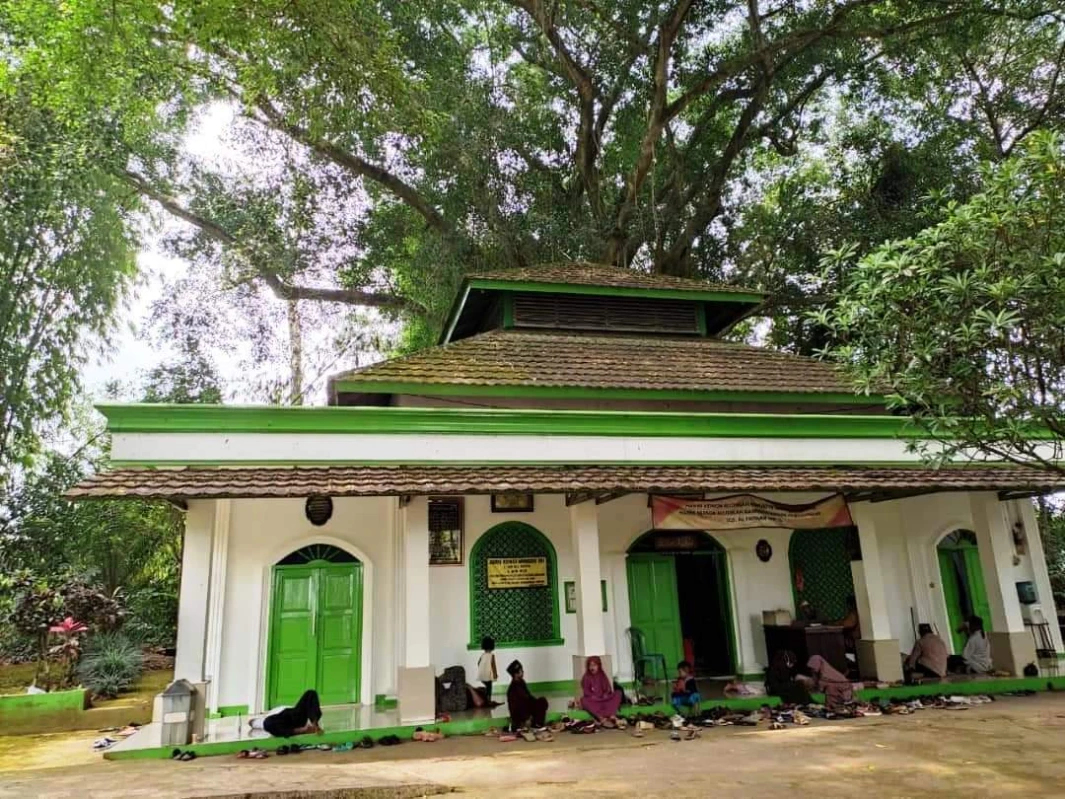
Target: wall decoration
512, 503
517, 572
570, 589
445, 531
763, 550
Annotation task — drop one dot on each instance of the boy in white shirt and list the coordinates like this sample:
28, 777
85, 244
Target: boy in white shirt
486, 666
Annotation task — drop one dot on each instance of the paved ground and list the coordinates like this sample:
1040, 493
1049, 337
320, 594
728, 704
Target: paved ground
1014, 747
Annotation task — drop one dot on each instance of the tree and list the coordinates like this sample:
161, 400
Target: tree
962, 324
65, 265
435, 137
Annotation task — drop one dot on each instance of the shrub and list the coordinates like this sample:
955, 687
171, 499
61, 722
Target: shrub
152, 615
111, 664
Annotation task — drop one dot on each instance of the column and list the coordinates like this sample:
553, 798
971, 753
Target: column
216, 601
416, 687
192, 599
1044, 593
879, 657
591, 640
1012, 646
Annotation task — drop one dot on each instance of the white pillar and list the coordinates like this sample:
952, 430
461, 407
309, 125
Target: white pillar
878, 650
584, 528
1044, 592
216, 600
1012, 646
416, 678
195, 585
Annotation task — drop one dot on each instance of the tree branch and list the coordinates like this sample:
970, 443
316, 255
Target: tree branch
657, 120
360, 166
280, 288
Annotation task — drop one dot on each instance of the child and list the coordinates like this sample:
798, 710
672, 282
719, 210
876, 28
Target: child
486, 666
685, 690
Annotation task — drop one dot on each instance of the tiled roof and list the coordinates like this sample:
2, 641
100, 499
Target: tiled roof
522, 358
353, 481
582, 273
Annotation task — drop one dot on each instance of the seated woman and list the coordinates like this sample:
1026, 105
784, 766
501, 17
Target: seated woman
976, 657
928, 658
300, 719
780, 679
598, 696
822, 677
525, 709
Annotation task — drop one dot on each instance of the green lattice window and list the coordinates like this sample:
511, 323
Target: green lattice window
821, 569
514, 617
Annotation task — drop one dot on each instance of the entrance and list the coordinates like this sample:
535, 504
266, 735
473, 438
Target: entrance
963, 583
315, 627
679, 597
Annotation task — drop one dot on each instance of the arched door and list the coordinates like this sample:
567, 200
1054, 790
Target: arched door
962, 578
315, 627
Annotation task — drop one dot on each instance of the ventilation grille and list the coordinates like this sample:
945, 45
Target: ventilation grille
626, 314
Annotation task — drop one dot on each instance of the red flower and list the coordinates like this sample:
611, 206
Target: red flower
68, 627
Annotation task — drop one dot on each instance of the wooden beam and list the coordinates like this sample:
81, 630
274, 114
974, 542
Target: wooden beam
577, 497
610, 496
404, 500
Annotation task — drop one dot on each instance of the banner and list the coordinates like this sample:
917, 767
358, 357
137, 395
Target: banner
517, 572
744, 511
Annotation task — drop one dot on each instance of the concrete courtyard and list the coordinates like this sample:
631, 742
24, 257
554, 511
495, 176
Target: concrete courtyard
1013, 747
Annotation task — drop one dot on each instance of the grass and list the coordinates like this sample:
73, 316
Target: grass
15, 677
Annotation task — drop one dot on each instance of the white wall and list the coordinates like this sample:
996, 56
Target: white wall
263, 532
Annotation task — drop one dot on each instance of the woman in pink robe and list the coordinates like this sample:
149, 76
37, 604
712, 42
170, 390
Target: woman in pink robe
598, 696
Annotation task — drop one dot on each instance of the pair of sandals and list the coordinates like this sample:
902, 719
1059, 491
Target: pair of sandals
542, 735
252, 754
184, 757
427, 736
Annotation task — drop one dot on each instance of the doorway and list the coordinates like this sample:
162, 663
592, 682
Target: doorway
315, 627
679, 596
962, 578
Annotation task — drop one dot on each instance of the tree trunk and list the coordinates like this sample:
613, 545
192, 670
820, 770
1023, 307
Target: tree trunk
295, 353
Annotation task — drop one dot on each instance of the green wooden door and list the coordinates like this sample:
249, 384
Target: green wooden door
964, 591
315, 633
653, 605
339, 633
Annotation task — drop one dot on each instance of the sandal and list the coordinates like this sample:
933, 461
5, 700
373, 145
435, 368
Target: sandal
507, 737
366, 742
544, 736
528, 735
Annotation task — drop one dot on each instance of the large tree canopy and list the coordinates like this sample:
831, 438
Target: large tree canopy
395, 144
963, 322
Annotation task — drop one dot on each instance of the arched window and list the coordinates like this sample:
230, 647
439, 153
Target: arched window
317, 552
514, 617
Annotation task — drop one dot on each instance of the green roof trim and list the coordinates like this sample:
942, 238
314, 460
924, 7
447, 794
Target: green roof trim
695, 295
148, 418
369, 386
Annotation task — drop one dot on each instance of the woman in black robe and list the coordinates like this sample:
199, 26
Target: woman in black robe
525, 709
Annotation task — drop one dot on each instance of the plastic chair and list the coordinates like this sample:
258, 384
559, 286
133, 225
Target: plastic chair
641, 659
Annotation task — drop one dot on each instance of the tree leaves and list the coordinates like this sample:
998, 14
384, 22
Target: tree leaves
963, 322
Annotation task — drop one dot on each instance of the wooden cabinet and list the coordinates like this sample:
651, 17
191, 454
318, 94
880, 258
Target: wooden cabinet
806, 642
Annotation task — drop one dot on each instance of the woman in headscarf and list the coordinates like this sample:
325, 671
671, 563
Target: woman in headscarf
598, 696
525, 709
823, 677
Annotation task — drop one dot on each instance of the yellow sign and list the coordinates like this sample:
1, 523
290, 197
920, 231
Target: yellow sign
517, 572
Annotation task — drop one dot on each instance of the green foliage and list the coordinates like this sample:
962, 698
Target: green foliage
111, 664
65, 263
384, 148
961, 324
